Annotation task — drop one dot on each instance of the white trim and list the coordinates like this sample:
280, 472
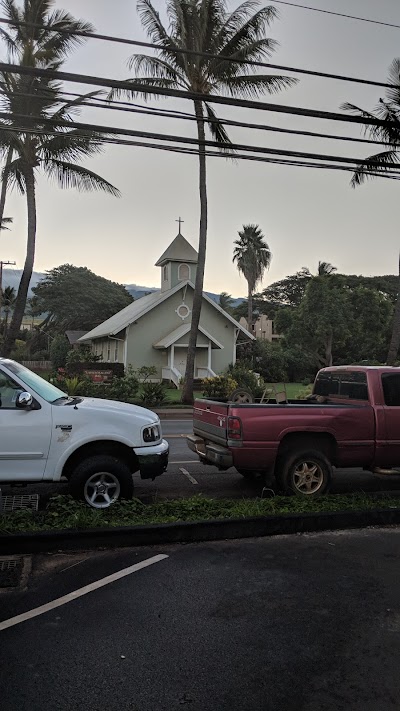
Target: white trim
209, 356
179, 272
181, 331
226, 315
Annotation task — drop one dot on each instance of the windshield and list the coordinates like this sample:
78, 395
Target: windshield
42, 387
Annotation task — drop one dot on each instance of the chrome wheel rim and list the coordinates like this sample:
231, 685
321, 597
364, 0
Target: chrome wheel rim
101, 490
308, 477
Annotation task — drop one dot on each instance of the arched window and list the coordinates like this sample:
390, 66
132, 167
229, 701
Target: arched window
165, 273
184, 272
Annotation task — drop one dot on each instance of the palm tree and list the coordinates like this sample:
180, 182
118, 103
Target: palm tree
388, 131
23, 136
205, 26
326, 269
225, 301
253, 257
8, 301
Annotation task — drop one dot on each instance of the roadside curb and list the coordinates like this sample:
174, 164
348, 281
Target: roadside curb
192, 532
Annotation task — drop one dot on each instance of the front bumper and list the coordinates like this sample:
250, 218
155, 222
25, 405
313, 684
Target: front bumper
153, 460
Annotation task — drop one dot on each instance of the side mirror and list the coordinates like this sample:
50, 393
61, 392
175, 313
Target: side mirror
24, 401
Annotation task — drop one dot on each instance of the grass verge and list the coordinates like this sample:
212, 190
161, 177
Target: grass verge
63, 512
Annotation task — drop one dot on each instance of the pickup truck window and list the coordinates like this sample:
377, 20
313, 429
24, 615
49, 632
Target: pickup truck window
351, 384
391, 389
32, 381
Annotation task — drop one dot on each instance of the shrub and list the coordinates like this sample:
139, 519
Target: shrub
304, 392
58, 351
153, 394
247, 379
219, 387
124, 389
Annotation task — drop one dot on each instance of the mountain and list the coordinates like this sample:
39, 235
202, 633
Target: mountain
11, 277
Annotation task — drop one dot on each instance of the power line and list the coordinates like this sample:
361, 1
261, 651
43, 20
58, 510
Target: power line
338, 14
133, 87
105, 131
394, 173
114, 105
207, 55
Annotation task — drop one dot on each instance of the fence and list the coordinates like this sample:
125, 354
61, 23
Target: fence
38, 364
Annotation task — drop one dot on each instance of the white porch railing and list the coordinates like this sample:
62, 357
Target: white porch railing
172, 374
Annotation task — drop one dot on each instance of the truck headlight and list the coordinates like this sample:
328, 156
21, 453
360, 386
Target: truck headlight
151, 434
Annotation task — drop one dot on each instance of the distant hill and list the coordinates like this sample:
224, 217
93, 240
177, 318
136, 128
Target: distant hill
11, 277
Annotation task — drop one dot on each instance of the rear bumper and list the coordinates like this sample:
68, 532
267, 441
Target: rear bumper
209, 452
153, 460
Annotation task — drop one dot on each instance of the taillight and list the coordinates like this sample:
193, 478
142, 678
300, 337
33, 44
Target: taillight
234, 428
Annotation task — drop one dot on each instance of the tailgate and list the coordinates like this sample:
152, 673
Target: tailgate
210, 420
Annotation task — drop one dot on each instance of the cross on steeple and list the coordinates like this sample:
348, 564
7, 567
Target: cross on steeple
180, 223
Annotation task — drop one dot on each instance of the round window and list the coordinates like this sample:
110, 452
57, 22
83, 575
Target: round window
183, 311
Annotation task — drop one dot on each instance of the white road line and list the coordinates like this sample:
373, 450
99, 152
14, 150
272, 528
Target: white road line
81, 591
189, 476
186, 461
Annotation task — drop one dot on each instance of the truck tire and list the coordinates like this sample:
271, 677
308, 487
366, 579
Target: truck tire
101, 480
306, 472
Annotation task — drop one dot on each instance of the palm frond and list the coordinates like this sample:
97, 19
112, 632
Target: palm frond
69, 175
373, 165
5, 221
156, 67
393, 93
10, 42
14, 176
257, 84
387, 130
145, 83
217, 129
75, 104
251, 31
71, 145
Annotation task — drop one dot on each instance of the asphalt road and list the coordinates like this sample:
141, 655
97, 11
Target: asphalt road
186, 476
299, 623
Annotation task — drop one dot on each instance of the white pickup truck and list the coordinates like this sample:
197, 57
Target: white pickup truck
96, 444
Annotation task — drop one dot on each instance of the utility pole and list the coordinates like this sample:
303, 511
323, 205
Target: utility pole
3, 264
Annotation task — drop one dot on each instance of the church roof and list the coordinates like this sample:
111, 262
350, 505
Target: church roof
141, 307
180, 250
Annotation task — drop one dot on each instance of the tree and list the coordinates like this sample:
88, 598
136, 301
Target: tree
325, 269
225, 301
206, 27
387, 131
253, 257
76, 298
321, 322
33, 41
7, 301
59, 350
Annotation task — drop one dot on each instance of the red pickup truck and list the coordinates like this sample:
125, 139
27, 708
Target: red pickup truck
352, 419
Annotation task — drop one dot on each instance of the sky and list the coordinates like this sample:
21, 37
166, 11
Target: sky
306, 215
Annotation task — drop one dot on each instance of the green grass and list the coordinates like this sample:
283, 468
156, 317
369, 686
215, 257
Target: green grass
63, 512
292, 389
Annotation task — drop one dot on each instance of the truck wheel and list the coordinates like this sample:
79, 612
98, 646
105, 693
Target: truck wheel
305, 473
101, 480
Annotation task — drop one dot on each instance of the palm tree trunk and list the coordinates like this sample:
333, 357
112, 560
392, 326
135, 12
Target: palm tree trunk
187, 394
20, 302
249, 308
395, 340
3, 193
